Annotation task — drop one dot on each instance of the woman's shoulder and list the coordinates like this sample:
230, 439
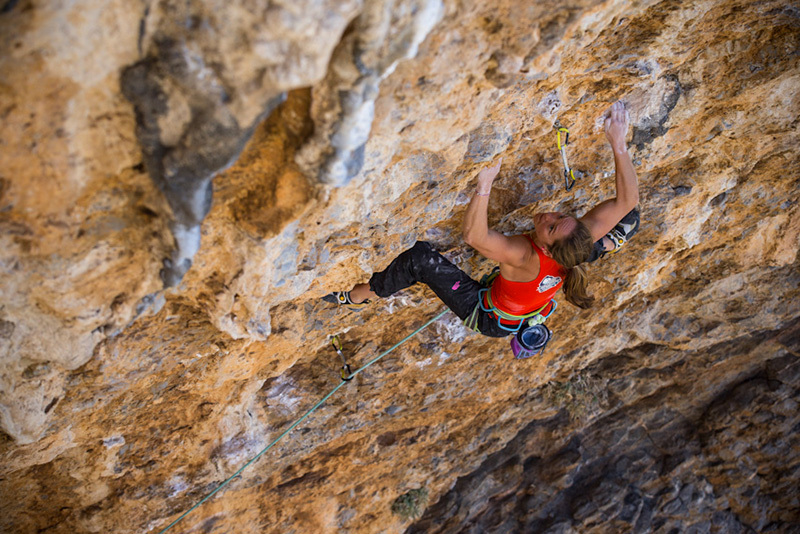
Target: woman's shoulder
528, 238
528, 268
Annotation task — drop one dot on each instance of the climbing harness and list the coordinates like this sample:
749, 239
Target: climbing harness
301, 419
531, 319
569, 176
347, 374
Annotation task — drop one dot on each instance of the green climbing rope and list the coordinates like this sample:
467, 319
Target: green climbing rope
309, 412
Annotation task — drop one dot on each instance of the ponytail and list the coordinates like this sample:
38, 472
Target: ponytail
570, 252
575, 285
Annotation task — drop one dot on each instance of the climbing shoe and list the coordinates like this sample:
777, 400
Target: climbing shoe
619, 235
342, 298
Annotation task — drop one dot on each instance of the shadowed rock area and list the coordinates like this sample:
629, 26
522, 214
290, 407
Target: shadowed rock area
275, 151
725, 461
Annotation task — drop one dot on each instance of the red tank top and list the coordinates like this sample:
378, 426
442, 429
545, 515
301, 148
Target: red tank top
520, 298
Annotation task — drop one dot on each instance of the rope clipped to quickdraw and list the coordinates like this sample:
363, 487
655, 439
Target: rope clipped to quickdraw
569, 176
347, 373
301, 419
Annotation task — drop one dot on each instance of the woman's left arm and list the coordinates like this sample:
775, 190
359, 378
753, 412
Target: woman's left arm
476, 231
602, 218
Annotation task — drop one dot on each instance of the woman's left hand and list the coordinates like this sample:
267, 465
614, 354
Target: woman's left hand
488, 174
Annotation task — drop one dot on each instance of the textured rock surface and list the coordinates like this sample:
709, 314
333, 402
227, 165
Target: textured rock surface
671, 405
725, 460
211, 71
344, 105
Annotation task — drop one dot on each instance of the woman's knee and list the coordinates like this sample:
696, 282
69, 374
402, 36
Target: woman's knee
422, 250
423, 246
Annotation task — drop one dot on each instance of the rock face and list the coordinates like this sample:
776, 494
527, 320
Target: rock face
211, 72
725, 461
334, 135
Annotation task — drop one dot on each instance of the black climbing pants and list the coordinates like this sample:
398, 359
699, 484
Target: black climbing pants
453, 286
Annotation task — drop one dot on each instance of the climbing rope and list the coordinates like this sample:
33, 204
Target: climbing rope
309, 412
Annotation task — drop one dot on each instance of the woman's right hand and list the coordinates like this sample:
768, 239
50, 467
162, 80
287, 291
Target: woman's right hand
616, 126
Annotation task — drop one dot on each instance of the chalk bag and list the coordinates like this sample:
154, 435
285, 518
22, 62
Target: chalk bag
530, 341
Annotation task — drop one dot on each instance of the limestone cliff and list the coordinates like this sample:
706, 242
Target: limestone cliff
181, 182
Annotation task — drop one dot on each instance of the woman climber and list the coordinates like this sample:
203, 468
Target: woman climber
532, 267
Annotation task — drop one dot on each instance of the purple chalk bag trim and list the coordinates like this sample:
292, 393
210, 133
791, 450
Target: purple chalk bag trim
529, 341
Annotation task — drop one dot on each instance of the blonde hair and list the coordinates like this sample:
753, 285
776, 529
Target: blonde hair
570, 252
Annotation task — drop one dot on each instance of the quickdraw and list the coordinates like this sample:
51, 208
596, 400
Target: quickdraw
347, 373
569, 176
336, 345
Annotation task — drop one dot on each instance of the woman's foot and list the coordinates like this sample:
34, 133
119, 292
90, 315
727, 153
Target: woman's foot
343, 298
361, 293
355, 299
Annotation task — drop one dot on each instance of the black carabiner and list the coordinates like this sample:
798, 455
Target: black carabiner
569, 183
347, 373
